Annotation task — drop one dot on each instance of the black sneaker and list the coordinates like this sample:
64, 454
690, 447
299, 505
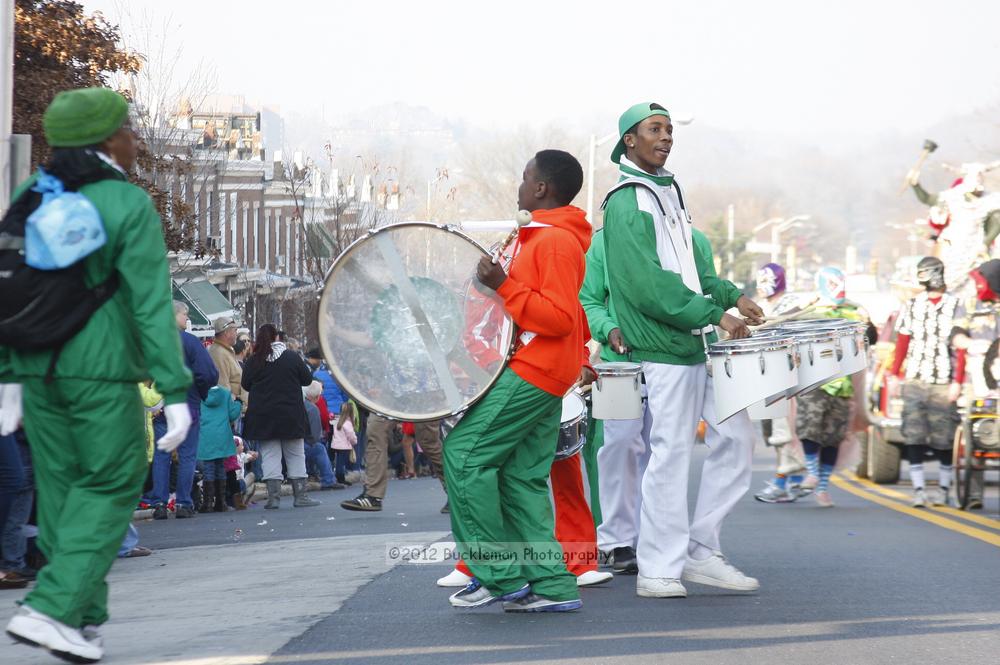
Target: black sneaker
974, 503
603, 558
160, 511
446, 508
624, 561
183, 512
363, 502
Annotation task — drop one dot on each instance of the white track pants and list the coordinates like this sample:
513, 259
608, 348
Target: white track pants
680, 395
621, 461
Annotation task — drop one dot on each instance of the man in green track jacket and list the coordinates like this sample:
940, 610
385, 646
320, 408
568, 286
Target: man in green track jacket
87, 425
666, 296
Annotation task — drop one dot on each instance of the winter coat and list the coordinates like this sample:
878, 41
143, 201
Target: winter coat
201, 366
344, 438
215, 437
332, 392
276, 409
230, 372
315, 434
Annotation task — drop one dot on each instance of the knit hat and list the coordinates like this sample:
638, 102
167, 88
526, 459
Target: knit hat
79, 118
632, 117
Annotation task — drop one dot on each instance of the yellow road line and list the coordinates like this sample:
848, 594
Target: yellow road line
920, 514
961, 514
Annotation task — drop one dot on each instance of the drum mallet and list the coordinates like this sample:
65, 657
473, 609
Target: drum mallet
929, 147
521, 219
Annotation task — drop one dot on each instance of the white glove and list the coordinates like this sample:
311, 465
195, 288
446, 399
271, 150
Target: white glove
178, 424
11, 410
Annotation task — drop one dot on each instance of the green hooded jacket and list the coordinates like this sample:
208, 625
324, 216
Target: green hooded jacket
657, 312
133, 336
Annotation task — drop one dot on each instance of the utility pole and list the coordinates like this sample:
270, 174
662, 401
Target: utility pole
6, 99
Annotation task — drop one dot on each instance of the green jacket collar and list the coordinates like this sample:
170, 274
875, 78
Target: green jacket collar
629, 170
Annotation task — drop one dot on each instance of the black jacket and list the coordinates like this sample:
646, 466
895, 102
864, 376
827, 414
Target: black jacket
276, 410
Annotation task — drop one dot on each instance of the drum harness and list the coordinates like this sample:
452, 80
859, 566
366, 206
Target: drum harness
645, 184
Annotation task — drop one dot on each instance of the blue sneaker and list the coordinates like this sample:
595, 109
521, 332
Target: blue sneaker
535, 603
476, 595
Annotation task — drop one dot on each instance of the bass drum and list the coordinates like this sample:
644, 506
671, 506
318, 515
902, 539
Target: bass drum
406, 328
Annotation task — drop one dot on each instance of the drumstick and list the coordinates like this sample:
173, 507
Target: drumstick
788, 317
522, 219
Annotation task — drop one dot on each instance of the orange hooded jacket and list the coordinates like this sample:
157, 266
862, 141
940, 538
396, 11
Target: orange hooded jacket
542, 295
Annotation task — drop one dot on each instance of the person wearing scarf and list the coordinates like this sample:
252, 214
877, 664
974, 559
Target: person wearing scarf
276, 415
667, 297
86, 424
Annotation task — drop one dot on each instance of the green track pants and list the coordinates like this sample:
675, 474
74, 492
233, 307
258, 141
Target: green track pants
497, 462
88, 446
595, 439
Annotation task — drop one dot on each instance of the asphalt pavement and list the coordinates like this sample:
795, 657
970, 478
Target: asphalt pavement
869, 581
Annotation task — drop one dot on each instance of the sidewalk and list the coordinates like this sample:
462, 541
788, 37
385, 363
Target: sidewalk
231, 604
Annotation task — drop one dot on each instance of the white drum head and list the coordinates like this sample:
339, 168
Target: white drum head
406, 328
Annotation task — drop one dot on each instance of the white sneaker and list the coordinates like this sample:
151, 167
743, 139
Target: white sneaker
659, 587
716, 571
593, 578
919, 498
36, 629
455, 578
92, 634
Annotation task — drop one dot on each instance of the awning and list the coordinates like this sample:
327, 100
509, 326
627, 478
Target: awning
205, 302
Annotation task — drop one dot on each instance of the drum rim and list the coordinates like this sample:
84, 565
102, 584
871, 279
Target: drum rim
338, 376
618, 368
742, 347
818, 335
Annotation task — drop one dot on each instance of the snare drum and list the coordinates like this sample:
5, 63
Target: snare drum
746, 371
617, 392
573, 430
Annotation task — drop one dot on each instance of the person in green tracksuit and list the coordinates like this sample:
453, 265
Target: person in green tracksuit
621, 446
667, 296
86, 426
498, 458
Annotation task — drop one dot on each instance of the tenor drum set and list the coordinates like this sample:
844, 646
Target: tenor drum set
760, 373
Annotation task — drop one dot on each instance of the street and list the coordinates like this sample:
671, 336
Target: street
870, 581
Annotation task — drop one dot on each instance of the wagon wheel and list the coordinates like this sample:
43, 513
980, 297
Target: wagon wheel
962, 460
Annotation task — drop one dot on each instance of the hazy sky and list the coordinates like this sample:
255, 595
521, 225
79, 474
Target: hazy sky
807, 69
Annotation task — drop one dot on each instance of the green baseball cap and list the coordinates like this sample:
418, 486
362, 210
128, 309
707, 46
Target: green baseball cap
82, 117
633, 116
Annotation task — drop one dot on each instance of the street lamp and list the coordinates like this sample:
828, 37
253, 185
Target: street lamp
777, 230
595, 143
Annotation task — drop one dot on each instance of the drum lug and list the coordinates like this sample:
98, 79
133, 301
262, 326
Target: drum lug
729, 366
854, 341
811, 357
597, 383
791, 361
763, 366
840, 351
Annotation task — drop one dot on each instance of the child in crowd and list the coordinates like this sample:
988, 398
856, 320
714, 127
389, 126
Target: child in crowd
215, 443
246, 479
317, 458
344, 438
